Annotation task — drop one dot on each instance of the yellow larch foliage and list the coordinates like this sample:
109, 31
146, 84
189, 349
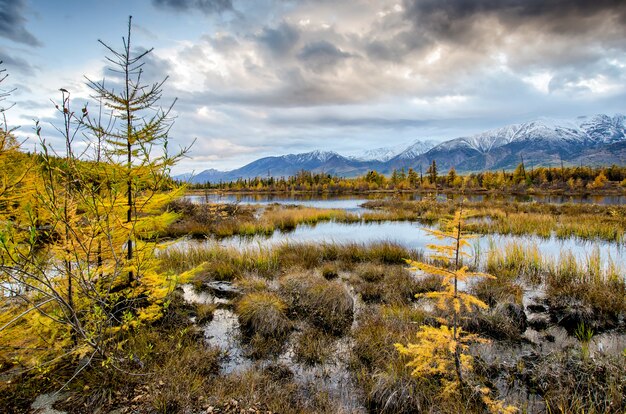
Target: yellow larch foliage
442, 352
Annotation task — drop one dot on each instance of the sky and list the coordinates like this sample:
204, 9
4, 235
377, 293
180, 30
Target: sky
256, 78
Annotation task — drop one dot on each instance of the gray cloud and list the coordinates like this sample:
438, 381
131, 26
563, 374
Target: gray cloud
322, 55
15, 63
12, 23
279, 76
205, 6
280, 40
454, 18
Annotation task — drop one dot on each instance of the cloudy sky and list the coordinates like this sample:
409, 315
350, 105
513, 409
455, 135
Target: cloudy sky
269, 77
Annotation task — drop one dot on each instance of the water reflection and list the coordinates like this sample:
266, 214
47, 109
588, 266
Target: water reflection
352, 202
348, 203
413, 236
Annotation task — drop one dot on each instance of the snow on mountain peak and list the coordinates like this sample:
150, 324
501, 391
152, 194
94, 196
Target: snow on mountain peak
317, 155
416, 149
584, 130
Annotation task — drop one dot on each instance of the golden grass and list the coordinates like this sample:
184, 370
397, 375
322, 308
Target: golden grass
263, 313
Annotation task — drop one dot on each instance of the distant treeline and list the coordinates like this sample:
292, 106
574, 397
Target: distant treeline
574, 179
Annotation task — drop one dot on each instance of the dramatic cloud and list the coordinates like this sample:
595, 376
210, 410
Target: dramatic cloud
205, 6
12, 23
275, 76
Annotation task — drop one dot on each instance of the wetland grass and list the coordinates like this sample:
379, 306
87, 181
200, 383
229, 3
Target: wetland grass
585, 290
325, 304
225, 220
584, 221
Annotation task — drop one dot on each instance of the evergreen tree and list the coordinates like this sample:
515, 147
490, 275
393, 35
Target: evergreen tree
432, 172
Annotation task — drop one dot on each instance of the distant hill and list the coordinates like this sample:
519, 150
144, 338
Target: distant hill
594, 140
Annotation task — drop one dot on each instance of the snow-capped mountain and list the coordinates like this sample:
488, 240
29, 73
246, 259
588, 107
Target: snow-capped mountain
588, 140
380, 154
313, 156
416, 149
598, 129
403, 150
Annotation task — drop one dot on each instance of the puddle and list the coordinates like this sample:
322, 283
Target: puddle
222, 332
333, 375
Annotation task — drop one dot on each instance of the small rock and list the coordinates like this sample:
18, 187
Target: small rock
539, 321
536, 308
221, 289
44, 402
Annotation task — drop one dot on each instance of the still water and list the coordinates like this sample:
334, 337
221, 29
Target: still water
352, 203
414, 236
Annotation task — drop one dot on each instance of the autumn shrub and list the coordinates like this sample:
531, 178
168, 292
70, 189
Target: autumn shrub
441, 353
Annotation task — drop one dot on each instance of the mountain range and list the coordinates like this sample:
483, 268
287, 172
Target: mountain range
588, 140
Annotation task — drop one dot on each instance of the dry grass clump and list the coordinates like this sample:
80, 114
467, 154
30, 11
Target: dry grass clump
313, 346
263, 322
505, 321
252, 284
220, 271
182, 377
326, 304
224, 220
492, 216
384, 378
387, 284
572, 384
384, 252
288, 217
200, 220
210, 261
400, 287
305, 255
204, 312
586, 292
171, 368
330, 271
370, 272
264, 314
428, 283
494, 291
269, 391
516, 261
578, 291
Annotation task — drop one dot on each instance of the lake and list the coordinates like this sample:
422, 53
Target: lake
412, 235
352, 203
